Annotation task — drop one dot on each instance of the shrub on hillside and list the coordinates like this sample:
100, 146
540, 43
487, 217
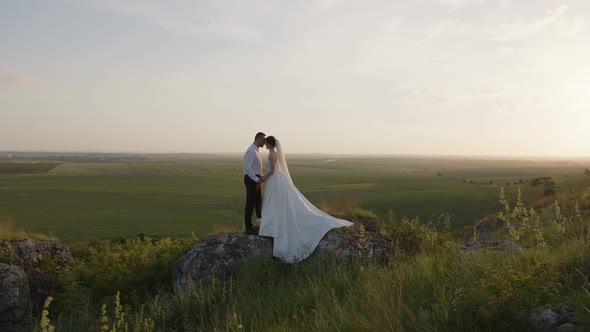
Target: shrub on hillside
542, 179
411, 236
549, 221
136, 266
504, 288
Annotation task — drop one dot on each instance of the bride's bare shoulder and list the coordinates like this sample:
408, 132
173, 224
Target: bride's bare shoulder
272, 155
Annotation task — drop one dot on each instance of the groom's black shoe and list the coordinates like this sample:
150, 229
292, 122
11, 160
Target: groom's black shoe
251, 231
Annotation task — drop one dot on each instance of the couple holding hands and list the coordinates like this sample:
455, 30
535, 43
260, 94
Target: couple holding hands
295, 224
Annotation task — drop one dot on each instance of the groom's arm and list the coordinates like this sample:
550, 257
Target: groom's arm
248, 161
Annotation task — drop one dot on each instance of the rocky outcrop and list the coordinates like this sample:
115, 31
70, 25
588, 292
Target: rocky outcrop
31, 253
40, 260
15, 301
221, 256
555, 318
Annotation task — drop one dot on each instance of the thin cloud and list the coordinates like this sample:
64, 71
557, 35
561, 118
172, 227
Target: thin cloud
200, 20
570, 28
555, 20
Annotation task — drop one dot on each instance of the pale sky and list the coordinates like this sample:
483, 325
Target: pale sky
466, 77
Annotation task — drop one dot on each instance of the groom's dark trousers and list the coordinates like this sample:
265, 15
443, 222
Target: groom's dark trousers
253, 200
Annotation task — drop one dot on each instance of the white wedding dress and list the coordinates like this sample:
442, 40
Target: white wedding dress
296, 225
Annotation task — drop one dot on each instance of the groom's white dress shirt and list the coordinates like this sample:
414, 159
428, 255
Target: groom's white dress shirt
252, 163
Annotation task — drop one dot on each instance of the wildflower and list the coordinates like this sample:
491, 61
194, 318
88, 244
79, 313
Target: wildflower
104, 318
45, 321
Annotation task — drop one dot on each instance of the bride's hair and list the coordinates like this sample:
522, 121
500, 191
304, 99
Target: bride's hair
271, 141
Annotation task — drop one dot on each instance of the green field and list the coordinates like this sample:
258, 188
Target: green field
27, 167
99, 200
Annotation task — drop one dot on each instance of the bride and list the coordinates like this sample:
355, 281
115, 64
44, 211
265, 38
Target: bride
295, 224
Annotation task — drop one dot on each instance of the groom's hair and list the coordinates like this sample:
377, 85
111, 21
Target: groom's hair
259, 134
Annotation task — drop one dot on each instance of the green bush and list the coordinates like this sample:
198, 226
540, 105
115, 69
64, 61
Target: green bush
498, 295
412, 236
134, 267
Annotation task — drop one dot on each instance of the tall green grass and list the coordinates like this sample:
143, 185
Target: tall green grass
441, 291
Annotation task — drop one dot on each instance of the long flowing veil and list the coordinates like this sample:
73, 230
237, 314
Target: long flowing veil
282, 162
296, 225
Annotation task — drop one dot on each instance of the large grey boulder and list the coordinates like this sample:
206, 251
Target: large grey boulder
545, 320
30, 253
15, 301
221, 256
40, 260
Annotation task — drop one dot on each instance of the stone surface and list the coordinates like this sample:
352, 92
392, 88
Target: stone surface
567, 314
40, 261
499, 246
545, 319
486, 229
555, 318
15, 301
221, 256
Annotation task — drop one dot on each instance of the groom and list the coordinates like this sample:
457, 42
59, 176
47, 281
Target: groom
253, 179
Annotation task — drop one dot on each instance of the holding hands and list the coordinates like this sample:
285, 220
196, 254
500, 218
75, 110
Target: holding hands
261, 180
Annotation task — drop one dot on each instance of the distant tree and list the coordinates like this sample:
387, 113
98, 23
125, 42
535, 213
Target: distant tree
439, 174
491, 183
549, 192
472, 182
587, 171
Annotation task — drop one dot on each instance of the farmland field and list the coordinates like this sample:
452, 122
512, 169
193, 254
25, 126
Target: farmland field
85, 200
28, 167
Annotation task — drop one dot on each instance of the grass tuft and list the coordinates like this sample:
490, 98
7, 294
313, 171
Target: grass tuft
8, 231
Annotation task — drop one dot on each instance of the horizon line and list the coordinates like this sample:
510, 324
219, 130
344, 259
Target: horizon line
419, 155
